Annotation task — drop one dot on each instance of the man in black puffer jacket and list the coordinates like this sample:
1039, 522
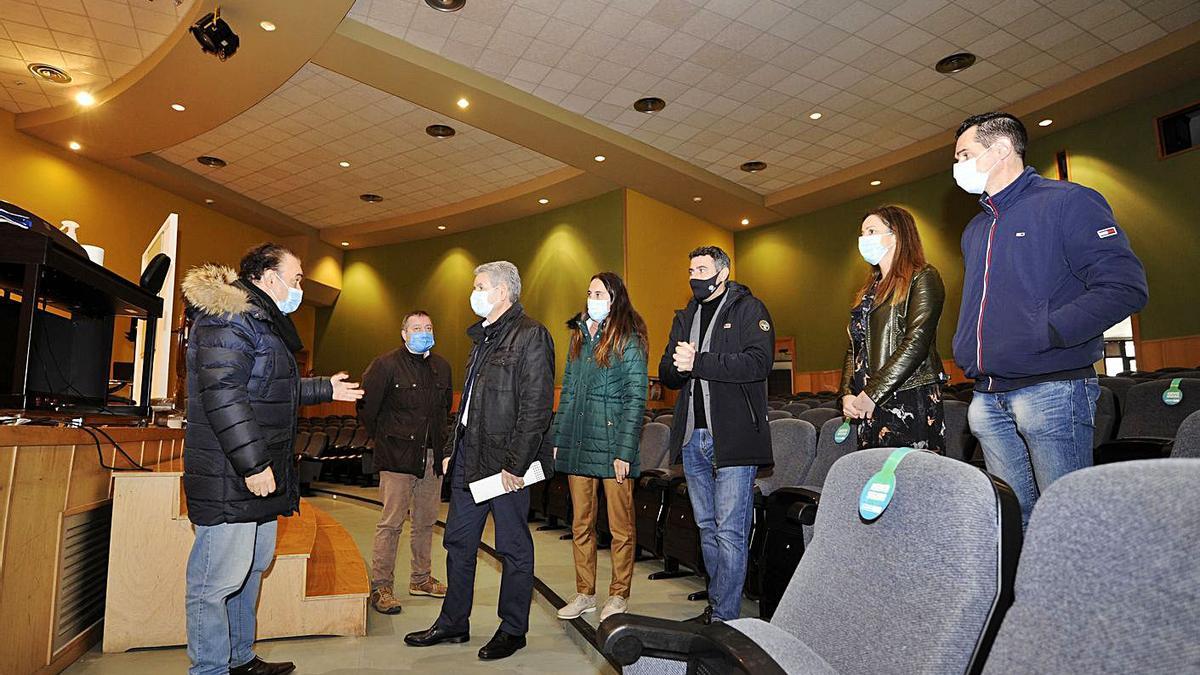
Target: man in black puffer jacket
244, 392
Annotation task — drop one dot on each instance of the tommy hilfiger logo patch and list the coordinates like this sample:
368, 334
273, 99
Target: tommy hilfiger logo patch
1106, 232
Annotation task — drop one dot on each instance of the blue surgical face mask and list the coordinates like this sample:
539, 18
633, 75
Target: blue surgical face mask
420, 342
598, 309
480, 304
294, 296
872, 248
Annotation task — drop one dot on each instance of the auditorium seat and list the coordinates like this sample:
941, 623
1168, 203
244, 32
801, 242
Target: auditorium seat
778, 414
960, 443
1108, 580
1120, 388
1187, 438
818, 416
794, 443
1106, 417
1148, 424
866, 597
300, 443
649, 491
796, 408
667, 419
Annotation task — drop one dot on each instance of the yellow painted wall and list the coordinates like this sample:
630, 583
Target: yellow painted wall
118, 212
658, 239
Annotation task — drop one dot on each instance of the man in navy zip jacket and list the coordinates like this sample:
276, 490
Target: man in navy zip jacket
1047, 272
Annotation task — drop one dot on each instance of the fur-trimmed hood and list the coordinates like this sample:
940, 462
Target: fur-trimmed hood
210, 288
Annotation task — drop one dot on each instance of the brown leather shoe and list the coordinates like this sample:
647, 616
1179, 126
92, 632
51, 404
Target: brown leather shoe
384, 602
432, 587
259, 667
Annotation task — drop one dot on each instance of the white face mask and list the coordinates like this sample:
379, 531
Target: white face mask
872, 248
597, 309
969, 177
480, 304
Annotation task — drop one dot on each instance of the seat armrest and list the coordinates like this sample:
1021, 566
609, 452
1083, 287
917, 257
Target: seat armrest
625, 638
1125, 449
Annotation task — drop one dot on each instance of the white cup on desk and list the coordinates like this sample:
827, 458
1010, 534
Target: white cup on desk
95, 254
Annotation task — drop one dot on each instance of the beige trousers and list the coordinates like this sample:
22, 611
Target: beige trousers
403, 494
583, 532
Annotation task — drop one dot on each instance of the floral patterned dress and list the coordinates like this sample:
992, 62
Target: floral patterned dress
912, 418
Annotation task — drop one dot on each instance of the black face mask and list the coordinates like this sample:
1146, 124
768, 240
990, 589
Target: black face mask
702, 288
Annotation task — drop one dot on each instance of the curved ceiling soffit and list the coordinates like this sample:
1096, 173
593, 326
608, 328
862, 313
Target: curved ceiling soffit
133, 115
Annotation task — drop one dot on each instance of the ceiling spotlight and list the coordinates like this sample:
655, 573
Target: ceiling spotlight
745, 221
74, 145
85, 99
214, 162
543, 200
814, 116
463, 103
48, 72
441, 227
178, 107
345, 243
439, 130
876, 182
754, 167
446, 5
650, 104
955, 63
208, 200
215, 36
267, 26
368, 197
599, 158
697, 199
1046, 122
344, 164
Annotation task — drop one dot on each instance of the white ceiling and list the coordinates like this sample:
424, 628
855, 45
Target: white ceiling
95, 41
284, 153
740, 77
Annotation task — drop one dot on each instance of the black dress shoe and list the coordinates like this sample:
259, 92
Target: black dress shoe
501, 646
705, 617
259, 667
434, 636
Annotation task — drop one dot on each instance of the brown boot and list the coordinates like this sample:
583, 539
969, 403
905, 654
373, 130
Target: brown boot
384, 602
432, 587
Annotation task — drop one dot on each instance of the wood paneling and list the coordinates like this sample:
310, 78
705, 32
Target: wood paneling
1181, 352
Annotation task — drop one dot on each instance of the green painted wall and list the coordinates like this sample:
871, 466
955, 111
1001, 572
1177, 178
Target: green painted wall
556, 252
807, 268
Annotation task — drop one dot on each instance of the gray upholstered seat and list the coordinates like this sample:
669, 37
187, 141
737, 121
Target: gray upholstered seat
794, 444
653, 449
779, 414
1109, 580
1187, 439
818, 416
960, 444
828, 452
796, 408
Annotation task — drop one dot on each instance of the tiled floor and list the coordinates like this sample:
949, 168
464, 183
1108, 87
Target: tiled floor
554, 646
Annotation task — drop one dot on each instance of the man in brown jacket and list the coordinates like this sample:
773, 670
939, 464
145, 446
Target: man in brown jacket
406, 408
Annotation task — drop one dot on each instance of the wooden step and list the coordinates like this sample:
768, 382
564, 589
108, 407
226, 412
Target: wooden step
297, 533
335, 567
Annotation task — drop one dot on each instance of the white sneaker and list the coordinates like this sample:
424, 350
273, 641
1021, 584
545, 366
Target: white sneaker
578, 606
614, 605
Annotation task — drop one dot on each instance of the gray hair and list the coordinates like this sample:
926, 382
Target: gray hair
503, 273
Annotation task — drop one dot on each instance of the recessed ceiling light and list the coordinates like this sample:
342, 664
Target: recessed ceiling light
344, 164
267, 26
955, 63
48, 72
441, 227
368, 197
208, 201
74, 145
543, 200
697, 199
178, 107
1046, 122
650, 104
463, 103
345, 243
599, 158
876, 182
745, 221
439, 130
446, 5
753, 167
815, 116
85, 99
208, 160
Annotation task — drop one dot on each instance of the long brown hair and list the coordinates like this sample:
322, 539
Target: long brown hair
907, 259
623, 324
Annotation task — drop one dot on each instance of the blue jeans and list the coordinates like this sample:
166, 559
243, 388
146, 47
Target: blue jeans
723, 504
1033, 436
224, 572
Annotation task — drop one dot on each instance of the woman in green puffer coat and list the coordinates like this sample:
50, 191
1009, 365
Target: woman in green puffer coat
596, 434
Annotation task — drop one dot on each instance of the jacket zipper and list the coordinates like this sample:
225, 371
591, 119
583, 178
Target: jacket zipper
987, 264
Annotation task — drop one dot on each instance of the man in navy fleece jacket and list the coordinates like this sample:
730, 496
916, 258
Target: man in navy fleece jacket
1047, 272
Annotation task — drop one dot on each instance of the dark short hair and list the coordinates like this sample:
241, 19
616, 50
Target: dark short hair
261, 258
720, 257
993, 125
415, 312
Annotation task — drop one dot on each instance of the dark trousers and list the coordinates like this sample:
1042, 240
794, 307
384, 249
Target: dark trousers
464, 530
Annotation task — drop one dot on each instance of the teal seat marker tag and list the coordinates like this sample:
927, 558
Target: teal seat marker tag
1173, 395
878, 492
842, 433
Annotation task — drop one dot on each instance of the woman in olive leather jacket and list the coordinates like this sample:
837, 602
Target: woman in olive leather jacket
891, 380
